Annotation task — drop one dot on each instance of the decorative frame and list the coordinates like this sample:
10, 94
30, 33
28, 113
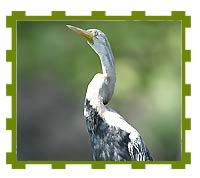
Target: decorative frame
96, 15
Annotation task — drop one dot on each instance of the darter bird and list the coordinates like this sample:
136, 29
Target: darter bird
111, 137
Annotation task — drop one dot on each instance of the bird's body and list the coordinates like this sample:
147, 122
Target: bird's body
111, 137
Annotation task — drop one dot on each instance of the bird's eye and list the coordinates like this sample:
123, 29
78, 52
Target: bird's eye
95, 33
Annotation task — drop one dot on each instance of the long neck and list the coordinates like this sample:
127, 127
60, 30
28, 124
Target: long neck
101, 88
108, 68
107, 63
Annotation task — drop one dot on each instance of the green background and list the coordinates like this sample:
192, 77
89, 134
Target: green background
54, 67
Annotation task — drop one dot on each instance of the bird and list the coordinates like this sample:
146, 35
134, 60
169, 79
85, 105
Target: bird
111, 137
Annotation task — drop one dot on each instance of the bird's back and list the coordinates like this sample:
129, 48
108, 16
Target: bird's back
110, 142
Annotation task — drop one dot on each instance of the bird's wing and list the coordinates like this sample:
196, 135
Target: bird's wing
138, 151
136, 147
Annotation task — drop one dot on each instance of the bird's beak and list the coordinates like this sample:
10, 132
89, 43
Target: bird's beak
84, 33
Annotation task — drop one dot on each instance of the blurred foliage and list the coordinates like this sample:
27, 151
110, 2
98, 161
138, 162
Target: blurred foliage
54, 67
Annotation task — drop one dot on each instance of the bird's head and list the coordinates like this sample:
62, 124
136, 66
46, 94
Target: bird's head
95, 38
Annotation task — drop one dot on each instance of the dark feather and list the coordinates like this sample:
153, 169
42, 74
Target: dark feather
111, 143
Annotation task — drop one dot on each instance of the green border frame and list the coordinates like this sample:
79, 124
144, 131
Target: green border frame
96, 15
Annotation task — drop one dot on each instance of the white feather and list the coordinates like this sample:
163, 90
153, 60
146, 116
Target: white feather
114, 119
